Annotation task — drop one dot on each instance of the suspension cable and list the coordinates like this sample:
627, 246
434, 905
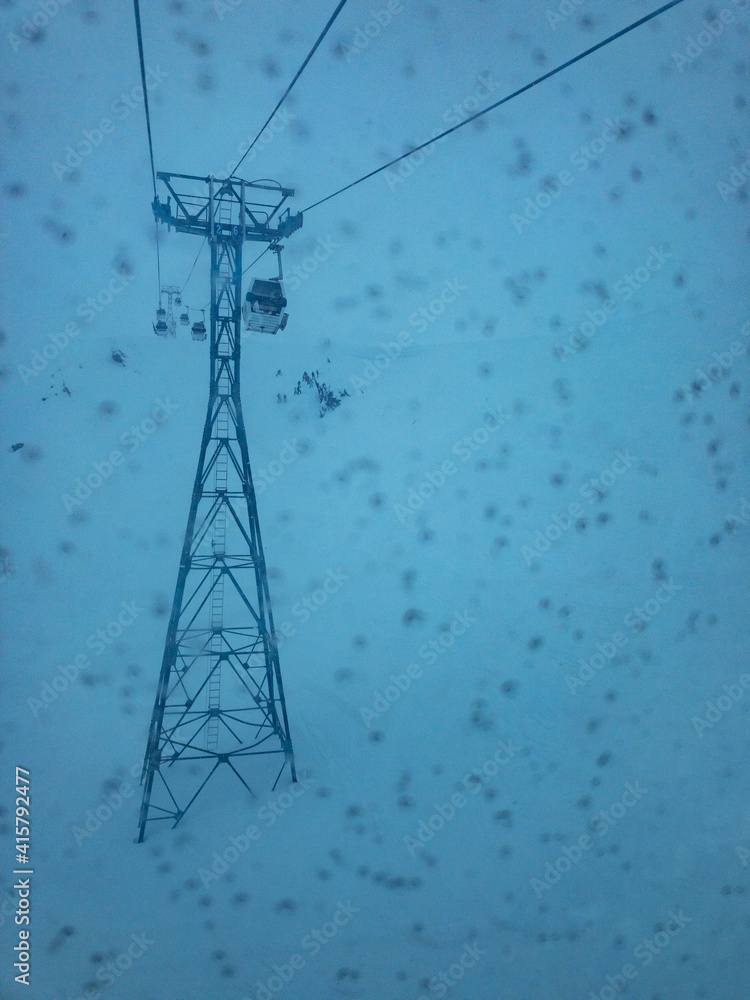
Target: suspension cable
200, 251
137, 9
297, 75
504, 100
257, 258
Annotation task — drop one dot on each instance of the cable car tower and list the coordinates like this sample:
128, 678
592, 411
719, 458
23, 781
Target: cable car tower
220, 700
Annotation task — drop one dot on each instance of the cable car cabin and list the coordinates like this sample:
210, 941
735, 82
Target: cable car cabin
160, 328
199, 330
263, 310
184, 319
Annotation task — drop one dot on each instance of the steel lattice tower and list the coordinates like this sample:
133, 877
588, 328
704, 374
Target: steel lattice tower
220, 699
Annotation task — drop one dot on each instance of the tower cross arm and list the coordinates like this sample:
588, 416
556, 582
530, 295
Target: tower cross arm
229, 208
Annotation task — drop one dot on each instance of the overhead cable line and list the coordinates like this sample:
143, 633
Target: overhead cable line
258, 257
137, 9
310, 54
200, 251
504, 100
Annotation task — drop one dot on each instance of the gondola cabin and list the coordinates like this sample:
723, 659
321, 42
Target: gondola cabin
263, 310
160, 327
199, 330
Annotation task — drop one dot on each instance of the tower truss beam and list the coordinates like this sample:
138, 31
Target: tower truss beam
220, 698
